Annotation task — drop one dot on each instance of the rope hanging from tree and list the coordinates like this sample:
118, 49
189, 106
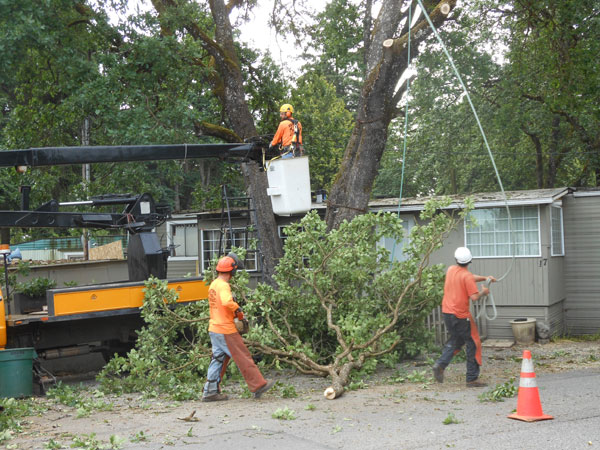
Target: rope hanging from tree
445, 10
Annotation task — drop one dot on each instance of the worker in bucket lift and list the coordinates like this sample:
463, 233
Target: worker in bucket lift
289, 134
224, 336
460, 287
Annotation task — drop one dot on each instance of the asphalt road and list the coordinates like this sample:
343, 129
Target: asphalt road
380, 418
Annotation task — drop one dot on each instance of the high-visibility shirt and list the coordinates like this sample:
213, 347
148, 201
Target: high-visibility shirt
285, 133
222, 307
458, 288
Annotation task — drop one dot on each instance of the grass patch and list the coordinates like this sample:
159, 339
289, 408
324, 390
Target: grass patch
579, 338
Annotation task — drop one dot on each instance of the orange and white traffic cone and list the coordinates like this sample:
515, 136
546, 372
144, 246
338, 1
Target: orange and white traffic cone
529, 407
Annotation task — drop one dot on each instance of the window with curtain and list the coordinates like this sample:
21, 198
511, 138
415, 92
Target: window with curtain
488, 234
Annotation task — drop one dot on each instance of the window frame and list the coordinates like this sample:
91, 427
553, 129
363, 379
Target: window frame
512, 208
562, 231
202, 261
410, 222
170, 225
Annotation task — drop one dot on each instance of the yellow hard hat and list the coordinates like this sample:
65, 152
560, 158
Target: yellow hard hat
287, 107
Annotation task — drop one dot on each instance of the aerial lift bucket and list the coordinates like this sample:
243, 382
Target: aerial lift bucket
289, 185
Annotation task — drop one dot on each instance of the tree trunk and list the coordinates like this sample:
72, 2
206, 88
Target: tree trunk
386, 62
351, 191
269, 241
340, 377
4, 235
554, 152
539, 159
228, 86
242, 122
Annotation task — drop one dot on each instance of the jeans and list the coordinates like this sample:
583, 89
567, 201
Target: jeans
460, 334
219, 352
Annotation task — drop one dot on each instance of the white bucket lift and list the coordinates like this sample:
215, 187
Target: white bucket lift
289, 185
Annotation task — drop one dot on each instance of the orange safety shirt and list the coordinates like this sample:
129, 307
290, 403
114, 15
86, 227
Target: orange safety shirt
285, 133
222, 307
458, 287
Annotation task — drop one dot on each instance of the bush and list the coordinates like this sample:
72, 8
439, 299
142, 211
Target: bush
35, 287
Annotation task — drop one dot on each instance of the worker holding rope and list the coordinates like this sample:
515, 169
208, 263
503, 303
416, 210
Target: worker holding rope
460, 287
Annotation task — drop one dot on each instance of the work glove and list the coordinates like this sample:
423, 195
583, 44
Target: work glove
241, 324
239, 314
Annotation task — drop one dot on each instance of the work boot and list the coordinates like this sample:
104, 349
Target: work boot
476, 384
265, 388
438, 373
214, 397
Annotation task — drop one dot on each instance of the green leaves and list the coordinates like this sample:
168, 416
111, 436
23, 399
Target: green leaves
284, 414
172, 351
499, 392
36, 287
339, 299
14, 411
340, 306
530, 69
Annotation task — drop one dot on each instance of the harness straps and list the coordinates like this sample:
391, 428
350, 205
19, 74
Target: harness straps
296, 137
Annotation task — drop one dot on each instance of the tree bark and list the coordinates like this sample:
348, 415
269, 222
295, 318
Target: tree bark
4, 235
269, 241
554, 151
386, 62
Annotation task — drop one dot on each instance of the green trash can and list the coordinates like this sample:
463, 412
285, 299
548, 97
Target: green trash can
16, 372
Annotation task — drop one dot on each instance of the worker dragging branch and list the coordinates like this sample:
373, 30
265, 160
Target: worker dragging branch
225, 338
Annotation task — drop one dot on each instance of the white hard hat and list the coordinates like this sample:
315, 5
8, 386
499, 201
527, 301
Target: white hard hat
463, 255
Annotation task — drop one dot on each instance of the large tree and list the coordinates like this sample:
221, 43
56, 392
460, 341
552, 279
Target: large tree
386, 59
553, 50
530, 69
216, 39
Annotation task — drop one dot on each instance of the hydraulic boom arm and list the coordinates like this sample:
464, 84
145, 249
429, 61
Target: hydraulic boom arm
50, 156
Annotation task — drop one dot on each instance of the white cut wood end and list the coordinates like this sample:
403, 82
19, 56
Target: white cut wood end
329, 393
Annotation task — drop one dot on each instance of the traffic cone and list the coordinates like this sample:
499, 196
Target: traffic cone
529, 407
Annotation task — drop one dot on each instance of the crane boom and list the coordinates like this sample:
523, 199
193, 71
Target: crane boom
50, 156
